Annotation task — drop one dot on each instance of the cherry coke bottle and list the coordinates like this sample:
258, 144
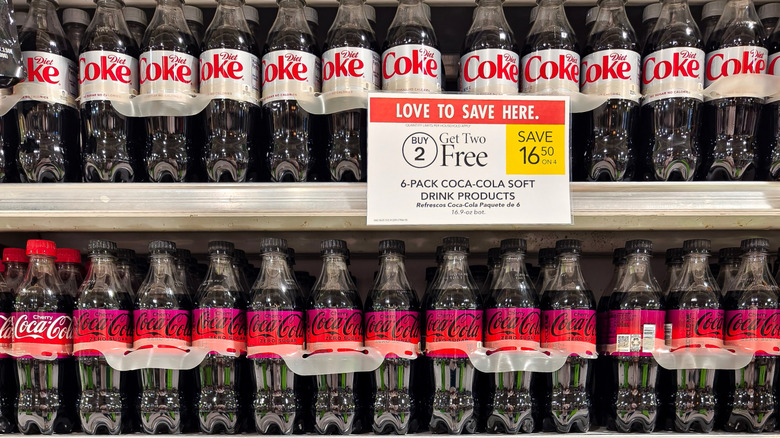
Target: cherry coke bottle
7, 367
108, 69
512, 322
569, 324
290, 67
162, 320
602, 373
42, 324
102, 319
550, 58
735, 47
230, 75
350, 67
334, 321
168, 66
453, 317
392, 326
489, 59
49, 148
610, 67
411, 60
219, 323
752, 322
694, 319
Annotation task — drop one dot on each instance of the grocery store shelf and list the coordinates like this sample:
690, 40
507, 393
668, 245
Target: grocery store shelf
600, 207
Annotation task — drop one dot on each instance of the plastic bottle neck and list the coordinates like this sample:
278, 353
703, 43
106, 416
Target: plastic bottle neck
103, 269
351, 15
741, 11
612, 14
639, 274
392, 274
754, 272
290, 17
511, 271
161, 269
550, 17
696, 271
490, 14
334, 274
221, 273
229, 13
455, 272
43, 15
568, 274
40, 266
410, 12
109, 5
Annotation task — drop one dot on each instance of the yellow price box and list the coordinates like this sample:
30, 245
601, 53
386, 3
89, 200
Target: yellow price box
535, 150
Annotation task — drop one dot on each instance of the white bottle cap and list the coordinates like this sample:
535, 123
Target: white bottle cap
251, 14
135, 15
311, 15
591, 15
19, 18
534, 12
370, 13
191, 13
769, 10
713, 9
651, 11
427, 8
78, 16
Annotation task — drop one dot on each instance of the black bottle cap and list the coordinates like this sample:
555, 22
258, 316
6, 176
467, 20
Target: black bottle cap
493, 256
619, 256
755, 245
568, 245
513, 245
674, 256
546, 256
729, 255
455, 244
703, 246
269, 244
101, 247
290, 255
333, 246
392, 247
126, 255
220, 246
162, 246
639, 246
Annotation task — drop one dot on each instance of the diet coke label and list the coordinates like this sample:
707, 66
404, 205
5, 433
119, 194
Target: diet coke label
551, 71
452, 333
334, 329
515, 328
735, 61
612, 73
100, 328
490, 71
230, 74
6, 333
36, 333
107, 75
412, 67
675, 72
393, 331
220, 329
162, 327
758, 330
56, 72
350, 70
774, 67
571, 330
287, 74
168, 72
699, 328
273, 330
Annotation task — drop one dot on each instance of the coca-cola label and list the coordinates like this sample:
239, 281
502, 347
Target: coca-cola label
289, 73
334, 329
513, 327
107, 75
571, 330
350, 71
551, 71
412, 67
274, 330
695, 328
168, 72
757, 330
674, 72
57, 73
735, 61
774, 67
230, 74
6, 333
612, 73
36, 333
489, 71
392, 331
101, 328
636, 332
220, 329
452, 333
162, 327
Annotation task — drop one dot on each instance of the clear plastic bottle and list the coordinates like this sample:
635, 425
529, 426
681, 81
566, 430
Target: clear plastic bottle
546, 260
729, 260
75, 22
550, 61
194, 17
15, 261
674, 262
603, 372
68, 263
136, 22
7, 365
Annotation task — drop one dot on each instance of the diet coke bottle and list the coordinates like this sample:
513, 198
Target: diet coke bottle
290, 70
48, 117
350, 67
610, 68
735, 48
672, 84
550, 57
42, 324
7, 369
489, 61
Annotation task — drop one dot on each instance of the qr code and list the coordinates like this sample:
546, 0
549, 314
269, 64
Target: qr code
623, 343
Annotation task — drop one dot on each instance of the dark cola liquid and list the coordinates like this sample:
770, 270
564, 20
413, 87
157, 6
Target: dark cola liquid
9, 132
770, 167
7, 367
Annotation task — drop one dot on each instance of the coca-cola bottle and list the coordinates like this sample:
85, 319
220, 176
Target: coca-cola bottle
736, 47
48, 126
602, 373
611, 68
108, 69
489, 60
672, 81
569, 323
694, 319
68, 264
411, 60
42, 324
453, 316
168, 66
15, 261
219, 323
7, 367
291, 68
229, 74
75, 23
275, 322
136, 23
392, 326
729, 260
674, 262
161, 321
102, 318
512, 322
334, 321
710, 14
752, 315
547, 271
350, 67
550, 56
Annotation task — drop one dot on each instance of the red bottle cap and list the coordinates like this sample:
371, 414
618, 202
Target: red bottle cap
15, 255
41, 247
68, 255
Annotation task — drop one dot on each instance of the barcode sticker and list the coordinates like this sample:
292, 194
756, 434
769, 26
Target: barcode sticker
668, 334
648, 338
623, 343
